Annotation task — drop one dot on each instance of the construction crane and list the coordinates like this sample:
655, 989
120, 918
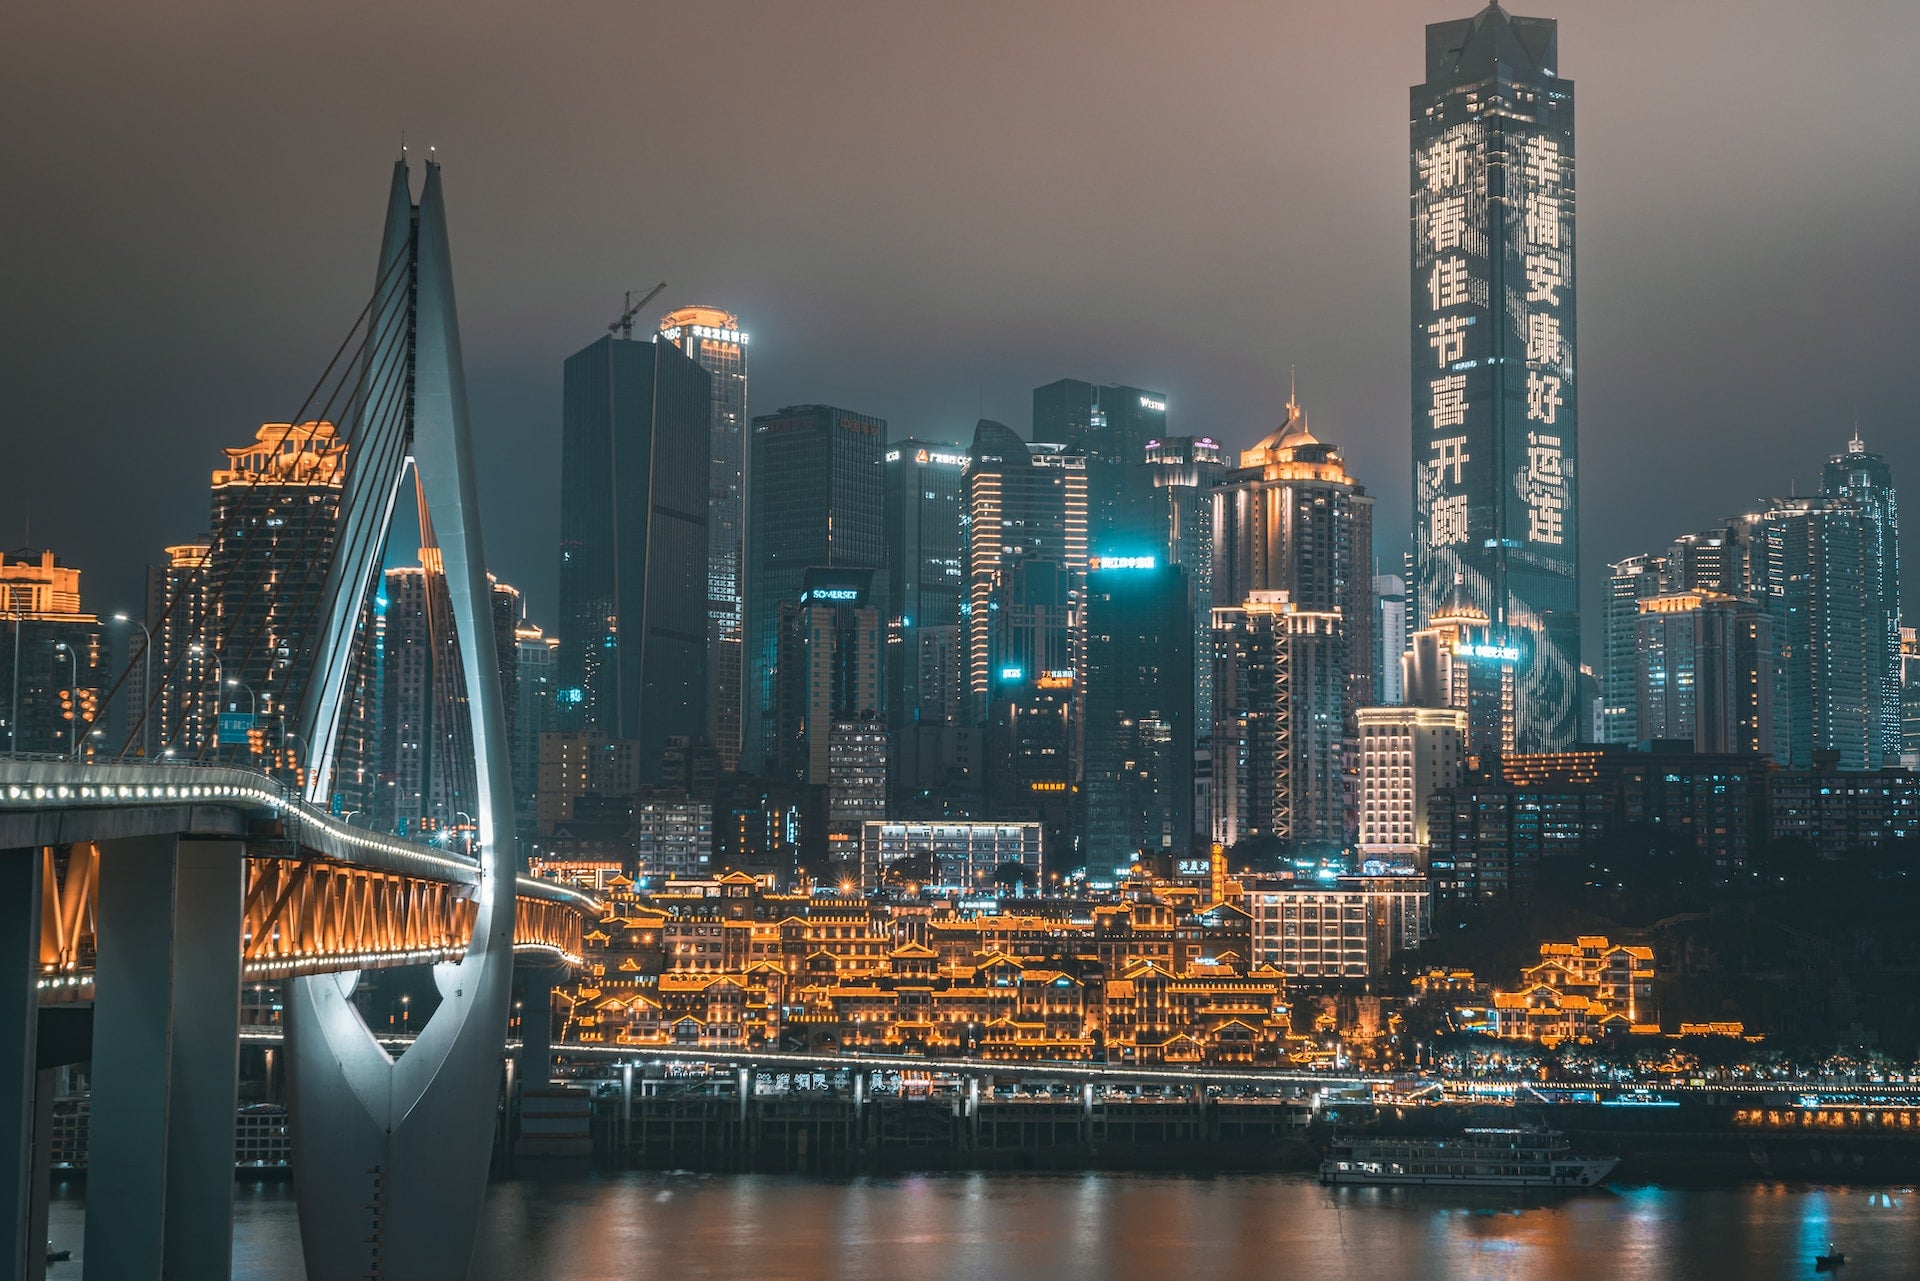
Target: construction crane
624, 325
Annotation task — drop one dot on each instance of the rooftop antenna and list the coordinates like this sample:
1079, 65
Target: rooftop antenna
624, 325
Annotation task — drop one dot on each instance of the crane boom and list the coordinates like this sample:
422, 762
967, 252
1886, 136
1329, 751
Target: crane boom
624, 325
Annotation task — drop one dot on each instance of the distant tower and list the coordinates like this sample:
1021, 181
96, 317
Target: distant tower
634, 468
1495, 434
1184, 471
715, 341
1866, 480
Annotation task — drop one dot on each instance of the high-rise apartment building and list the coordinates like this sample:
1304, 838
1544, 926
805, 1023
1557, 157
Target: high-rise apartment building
1629, 582
1406, 754
1705, 671
1026, 514
1457, 660
52, 653
1291, 519
179, 709
1864, 479
715, 341
926, 584
1389, 639
1495, 434
1111, 428
634, 499
859, 759
275, 520
1136, 710
535, 679
1279, 696
816, 499
1811, 571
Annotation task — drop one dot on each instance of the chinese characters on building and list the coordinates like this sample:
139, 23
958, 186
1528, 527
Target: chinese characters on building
1542, 483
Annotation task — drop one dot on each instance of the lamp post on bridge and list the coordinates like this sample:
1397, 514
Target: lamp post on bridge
73, 695
146, 682
253, 709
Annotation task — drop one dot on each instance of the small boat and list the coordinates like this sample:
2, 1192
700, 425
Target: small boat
1827, 1262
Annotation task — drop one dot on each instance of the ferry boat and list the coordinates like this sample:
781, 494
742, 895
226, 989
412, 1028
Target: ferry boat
1511, 1158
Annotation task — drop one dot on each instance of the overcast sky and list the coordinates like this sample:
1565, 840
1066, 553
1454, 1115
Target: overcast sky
922, 211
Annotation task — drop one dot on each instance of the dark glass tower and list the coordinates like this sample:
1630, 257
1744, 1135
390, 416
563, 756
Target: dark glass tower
633, 544
1111, 427
1136, 719
1866, 481
926, 583
1495, 436
714, 339
816, 499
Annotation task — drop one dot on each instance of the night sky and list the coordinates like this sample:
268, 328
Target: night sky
924, 211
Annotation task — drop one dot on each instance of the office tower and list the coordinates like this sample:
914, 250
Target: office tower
1291, 519
179, 710
535, 679
275, 520
1136, 717
1406, 754
53, 656
826, 668
859, 757
926, 585
417, 789
1495, 435
1184, 471
1026, 562
583, 763
1111, 427
1865, 480
1629, 582
1705, 671
1910, 698
1389, 638
1279, 700
634, 446
816, 498
715, 341
1458, 661
1811, 571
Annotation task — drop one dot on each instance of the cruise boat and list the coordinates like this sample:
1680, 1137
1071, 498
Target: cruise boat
1471, 1158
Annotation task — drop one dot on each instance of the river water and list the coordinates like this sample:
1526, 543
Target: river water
1106, 1227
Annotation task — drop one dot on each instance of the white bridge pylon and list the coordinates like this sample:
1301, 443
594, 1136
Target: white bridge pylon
390, 1154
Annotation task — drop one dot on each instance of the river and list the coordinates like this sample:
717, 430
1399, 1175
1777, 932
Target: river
1105, 1227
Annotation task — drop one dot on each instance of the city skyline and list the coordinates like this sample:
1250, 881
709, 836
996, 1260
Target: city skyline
1644, 286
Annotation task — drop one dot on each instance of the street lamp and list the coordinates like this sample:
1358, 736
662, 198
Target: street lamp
73, 691
146, 682
253, 699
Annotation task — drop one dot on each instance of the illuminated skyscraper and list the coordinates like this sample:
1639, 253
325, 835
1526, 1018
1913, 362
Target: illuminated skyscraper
635, 436
1495, 436
1111, 427
713, 338
1184, 471
52, 654
1811, 571
1705, 671
180, 709
1026, 562
816, 499
926, 583
1290, 518
1865, 480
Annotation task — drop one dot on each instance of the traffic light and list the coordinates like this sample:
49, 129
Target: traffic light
66, 704
90, 705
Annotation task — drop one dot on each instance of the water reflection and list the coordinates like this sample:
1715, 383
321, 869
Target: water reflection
1121, 1228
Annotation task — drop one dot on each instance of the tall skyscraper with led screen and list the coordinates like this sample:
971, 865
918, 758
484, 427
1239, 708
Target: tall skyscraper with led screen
1495, 434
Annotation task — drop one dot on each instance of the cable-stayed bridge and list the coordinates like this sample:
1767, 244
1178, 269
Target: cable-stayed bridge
150, 891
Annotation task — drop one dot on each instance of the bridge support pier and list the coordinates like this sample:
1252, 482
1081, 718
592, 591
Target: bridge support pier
165, 1058
22, 1246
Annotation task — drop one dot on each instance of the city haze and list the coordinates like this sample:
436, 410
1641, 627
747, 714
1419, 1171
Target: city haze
924, 215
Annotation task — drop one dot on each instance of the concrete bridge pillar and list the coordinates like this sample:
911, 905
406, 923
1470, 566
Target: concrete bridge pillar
22, 1245
166, 1058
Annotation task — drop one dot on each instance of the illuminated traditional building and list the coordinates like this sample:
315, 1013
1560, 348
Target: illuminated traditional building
275, 521
1495, 419
635, 449
816, 499
52, 651
1406, 754
1136, 710
715, 341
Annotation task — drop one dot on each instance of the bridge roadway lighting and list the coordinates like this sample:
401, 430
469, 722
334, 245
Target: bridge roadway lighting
146, 682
